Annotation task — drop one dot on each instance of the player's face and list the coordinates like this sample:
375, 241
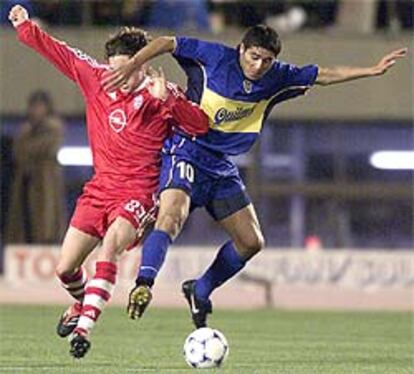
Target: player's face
255, 61
136, 78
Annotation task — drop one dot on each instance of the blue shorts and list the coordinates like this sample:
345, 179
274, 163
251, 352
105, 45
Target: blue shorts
210, 179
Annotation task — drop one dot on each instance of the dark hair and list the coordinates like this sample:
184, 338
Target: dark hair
127, 41
262, 36
42, 97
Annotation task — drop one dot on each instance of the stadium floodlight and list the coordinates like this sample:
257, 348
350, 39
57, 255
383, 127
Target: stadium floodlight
75, 156
393, 160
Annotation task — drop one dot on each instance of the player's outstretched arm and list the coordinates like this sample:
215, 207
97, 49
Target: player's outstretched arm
339, 74
116, 78
71, 62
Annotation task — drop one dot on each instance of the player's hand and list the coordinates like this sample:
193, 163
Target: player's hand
389, 60
157, 85
18, 15
116, 78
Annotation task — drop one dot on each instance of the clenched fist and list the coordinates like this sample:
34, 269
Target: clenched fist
18, 15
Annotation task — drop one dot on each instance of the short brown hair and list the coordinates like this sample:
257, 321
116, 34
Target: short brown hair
263, 36
127, 41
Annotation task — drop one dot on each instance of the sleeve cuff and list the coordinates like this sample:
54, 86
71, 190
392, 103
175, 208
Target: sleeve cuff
315, 74
23, 25
176, 50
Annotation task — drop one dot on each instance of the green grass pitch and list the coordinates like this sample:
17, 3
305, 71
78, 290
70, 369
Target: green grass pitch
265, 341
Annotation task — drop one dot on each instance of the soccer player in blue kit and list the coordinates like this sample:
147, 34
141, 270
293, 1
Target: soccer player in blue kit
237, 88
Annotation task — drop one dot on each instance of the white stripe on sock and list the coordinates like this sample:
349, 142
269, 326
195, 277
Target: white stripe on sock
101, 283
149, 268
78, 292
85, 323
94, 300
76, 284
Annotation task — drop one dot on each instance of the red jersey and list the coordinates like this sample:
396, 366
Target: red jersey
126, 131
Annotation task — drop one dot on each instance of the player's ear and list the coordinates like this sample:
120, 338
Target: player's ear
242, 48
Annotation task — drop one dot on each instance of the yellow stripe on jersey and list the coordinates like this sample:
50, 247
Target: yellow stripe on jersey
233, 116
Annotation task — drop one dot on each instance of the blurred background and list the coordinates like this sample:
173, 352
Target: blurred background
331, 177
333, 170
313, 176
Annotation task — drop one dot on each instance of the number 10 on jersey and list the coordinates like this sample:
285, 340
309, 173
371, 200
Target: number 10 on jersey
186, 171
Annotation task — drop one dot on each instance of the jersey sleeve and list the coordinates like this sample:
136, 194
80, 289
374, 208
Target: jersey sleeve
206, 53
72, 62
299, 76
185, 115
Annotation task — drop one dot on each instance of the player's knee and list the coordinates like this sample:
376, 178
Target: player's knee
117, 239
252, 245
63, 270
171, 222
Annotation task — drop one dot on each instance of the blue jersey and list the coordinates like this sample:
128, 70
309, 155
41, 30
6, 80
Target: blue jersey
236, 106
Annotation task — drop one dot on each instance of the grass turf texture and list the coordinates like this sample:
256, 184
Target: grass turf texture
262, 342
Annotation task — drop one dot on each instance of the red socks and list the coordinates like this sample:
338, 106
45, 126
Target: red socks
98, 292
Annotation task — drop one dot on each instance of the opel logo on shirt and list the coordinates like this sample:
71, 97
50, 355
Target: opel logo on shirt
117, 120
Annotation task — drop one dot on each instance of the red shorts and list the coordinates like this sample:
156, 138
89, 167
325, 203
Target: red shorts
94, 213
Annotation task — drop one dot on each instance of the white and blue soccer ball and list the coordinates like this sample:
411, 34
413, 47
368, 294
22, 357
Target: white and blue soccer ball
205, 348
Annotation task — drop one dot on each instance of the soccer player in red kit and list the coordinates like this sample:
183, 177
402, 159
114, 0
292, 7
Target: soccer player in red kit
126, 130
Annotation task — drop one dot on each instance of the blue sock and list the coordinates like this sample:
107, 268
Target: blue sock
153, 255
226, 264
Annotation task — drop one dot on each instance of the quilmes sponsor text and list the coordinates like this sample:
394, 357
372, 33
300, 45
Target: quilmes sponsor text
224, 115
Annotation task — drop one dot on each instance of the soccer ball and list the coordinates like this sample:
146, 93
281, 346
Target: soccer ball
205, 348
